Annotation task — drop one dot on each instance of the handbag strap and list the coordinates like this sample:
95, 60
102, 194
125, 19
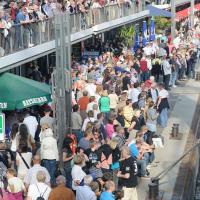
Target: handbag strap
39, 190
23, 160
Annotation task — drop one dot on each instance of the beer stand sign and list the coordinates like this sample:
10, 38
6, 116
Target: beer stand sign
2, 127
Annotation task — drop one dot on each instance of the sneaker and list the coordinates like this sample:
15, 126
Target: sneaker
145, 177
174, 86
30, 45
149, 166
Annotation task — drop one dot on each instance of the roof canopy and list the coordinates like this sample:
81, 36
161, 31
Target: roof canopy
158, 12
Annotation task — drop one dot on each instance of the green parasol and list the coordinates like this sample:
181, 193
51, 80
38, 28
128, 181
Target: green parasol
17, 92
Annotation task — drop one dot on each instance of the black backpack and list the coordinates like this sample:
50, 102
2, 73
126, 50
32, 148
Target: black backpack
41, 196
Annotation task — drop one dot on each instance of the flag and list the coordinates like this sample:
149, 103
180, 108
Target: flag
152, 35
136, 37
144, 33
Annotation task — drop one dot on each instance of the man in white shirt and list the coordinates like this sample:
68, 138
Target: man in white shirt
134, 93
167, 69
31, 176
31, 123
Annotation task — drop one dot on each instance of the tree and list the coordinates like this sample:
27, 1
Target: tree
162, 24
126, 33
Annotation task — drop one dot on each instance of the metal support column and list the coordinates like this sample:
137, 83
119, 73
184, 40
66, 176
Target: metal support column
62, 78
192, 14
173, 21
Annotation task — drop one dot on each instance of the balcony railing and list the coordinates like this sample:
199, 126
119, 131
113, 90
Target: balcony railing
23, 36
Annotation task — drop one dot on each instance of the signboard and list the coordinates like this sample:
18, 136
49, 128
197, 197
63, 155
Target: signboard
2, 126
91, 54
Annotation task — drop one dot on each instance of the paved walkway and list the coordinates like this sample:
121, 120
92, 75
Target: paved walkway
183, 100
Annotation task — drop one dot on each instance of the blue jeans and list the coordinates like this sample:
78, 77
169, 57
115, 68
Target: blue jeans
50, 165
163, 118
142, 164
144, 76
68, 177
173, 78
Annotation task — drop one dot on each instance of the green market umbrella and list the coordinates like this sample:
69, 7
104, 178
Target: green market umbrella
17, 92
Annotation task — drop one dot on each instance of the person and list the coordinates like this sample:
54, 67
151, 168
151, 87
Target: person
93, 163
134, 93
31, 123
83, 102
49, 153
90, 118
31, 175
120, 137
47, 119
85, 192
77, 172
24, 137
76, 122
152, 116
15, 185
162, 106
108, 193
136, 124
68, 156
60, 192
40, 188
128, 114
114, 99
128, 174
167, 69
23, 160
84, 142
13, 139
104, 104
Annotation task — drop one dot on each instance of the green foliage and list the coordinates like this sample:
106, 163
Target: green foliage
126, 33
162, 23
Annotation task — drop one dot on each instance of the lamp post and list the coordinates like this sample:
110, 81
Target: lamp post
63, 84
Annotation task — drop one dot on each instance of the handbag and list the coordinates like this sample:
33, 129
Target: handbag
24, 160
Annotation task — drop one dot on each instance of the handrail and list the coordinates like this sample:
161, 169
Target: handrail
165, 171
154, 185
23, 36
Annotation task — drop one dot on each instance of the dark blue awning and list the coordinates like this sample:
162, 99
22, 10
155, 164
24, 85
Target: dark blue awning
158, 12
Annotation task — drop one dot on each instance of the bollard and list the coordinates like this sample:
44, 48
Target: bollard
153, 191
173, 132
176, 129
156, 180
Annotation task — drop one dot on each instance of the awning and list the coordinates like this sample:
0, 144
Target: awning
186, 12
158, 12
18, 92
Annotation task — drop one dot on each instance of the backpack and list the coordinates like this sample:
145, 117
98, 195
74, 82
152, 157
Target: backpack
41, 196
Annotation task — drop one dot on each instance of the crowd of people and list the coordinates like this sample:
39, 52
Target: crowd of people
119, 99
27, 23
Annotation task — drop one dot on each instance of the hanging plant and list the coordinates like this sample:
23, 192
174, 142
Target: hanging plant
126, 33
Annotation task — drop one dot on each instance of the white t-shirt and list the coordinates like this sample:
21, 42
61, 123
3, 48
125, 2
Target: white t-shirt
14, 144
31, 123
163, 93
42, 190
22, 169
134, 95
77, 175
91, 89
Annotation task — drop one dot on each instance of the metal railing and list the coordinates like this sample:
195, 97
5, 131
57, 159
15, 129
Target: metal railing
154, 185
23, 36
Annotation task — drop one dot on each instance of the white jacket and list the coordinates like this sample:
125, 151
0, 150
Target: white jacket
49, 148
